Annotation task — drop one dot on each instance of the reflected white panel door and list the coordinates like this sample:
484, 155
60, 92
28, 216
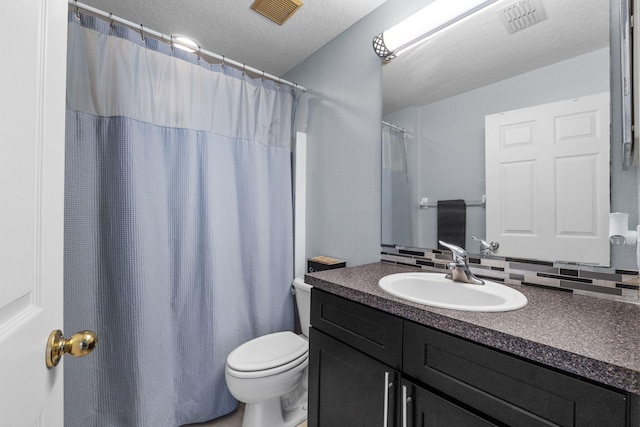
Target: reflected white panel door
547, 177
32, 84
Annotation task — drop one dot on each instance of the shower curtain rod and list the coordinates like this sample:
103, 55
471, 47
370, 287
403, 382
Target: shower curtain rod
169, 39
398, 128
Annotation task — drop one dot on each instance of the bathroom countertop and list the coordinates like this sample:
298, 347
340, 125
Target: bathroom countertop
594, 338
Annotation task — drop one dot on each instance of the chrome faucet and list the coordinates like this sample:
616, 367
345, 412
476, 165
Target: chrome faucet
486, 248
459, 268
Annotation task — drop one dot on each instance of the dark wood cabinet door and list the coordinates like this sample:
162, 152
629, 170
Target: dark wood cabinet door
348, 388
423, 408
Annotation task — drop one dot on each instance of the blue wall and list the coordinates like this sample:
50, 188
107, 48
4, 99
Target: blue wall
342, 121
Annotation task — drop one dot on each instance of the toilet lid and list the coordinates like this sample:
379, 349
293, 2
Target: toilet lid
267, 352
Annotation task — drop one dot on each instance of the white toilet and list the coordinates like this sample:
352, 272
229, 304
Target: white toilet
269, 373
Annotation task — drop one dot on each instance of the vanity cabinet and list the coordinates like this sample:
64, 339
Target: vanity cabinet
355, 356
371, 368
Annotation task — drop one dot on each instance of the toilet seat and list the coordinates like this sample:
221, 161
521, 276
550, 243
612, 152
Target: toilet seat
268, 355
302, 360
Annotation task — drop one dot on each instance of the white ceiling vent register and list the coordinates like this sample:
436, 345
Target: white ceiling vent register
522, 14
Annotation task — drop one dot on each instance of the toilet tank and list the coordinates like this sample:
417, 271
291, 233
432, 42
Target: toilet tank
303, 301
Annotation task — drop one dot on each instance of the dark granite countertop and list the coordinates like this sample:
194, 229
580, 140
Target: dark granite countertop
594, 338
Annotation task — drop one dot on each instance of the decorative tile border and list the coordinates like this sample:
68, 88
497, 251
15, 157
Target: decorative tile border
600, 282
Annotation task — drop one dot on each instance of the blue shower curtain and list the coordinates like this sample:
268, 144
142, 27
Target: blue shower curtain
178, 225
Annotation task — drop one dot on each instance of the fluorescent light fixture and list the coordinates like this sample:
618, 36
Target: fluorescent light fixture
185, 43
426, 22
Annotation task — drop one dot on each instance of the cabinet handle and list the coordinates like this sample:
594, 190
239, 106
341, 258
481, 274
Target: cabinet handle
387, 386
405, 400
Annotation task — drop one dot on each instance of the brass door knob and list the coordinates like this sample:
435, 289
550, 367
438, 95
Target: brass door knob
80, 344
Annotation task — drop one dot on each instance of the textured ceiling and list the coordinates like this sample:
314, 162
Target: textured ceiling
480, 51
232, 29
475, 53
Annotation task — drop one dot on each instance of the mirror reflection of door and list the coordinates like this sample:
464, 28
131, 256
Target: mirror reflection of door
547, 180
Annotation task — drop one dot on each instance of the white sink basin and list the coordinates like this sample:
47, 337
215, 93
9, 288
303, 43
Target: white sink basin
434, 290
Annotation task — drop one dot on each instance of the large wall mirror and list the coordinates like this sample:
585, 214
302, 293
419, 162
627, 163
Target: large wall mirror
441, 93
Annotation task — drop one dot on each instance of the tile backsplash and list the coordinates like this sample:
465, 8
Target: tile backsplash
600, 282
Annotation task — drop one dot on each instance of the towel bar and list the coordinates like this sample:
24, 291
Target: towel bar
424, 203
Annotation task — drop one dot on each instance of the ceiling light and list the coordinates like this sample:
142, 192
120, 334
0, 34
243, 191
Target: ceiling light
185, 43
426, 22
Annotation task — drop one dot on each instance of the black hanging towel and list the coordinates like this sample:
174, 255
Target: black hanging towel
452, 222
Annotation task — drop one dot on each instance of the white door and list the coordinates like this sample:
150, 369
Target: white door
32, 102
547, 178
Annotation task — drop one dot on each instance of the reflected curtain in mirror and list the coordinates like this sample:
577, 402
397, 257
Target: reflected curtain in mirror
396, 186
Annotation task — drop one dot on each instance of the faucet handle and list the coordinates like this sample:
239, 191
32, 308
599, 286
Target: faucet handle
459, 254
486, 245
483, 243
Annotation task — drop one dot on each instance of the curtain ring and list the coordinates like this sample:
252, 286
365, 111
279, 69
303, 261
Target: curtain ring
142, 34
173, 48
222, 65
199, 51
244, 67
77, 9
112, 24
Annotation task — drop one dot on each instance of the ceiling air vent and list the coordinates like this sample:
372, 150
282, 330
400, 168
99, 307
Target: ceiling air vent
522, 14
277, 10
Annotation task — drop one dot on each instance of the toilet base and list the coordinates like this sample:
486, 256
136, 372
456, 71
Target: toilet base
269, 413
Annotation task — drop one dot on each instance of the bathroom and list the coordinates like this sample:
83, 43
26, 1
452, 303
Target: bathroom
343, 208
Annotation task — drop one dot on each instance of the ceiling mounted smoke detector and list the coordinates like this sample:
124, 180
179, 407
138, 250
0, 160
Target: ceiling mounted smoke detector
277, 10
522, 14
